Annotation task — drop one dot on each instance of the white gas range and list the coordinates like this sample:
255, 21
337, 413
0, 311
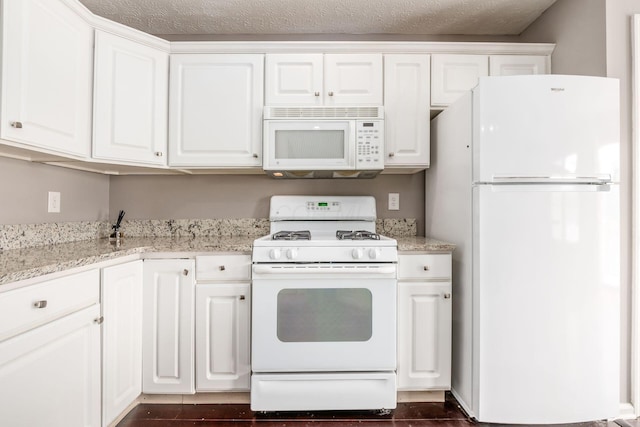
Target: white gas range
324, 308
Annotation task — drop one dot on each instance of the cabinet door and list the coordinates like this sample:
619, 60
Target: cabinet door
215, 110
353, 79
167, 326
47, 67
223, 319
453, 75
406, 108
130, 105
51, 375
514, 65
293, 79
121, 338
424, 335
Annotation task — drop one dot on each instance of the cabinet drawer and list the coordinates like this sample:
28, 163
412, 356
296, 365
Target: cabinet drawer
424, 266
223, 267
25, 308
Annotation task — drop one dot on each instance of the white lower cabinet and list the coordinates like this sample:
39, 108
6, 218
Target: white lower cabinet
168, 325
223, 322
50, 374
223, 319
424, 322
121, 338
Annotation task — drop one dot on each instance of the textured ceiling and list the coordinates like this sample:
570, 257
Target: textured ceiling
429, 17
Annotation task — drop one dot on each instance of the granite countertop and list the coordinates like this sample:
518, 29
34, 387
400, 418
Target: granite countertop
27, 263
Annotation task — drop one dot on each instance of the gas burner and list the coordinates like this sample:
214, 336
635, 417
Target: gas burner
356, 235
292, 235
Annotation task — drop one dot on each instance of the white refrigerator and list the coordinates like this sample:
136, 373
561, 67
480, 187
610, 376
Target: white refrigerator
525, 181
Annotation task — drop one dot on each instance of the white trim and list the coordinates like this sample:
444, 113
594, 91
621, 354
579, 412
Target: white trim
363, 47
635, 219
627, 412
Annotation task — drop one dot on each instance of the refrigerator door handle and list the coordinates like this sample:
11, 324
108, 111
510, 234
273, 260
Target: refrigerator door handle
539, 179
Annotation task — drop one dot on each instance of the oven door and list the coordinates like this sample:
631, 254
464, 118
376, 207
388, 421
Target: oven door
310, 318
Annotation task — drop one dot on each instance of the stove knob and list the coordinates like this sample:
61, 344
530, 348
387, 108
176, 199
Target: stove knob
357, 253
292, 253
275, 254
374, 253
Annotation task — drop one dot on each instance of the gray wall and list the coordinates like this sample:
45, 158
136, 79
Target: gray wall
578, 28
24, 189
247, 196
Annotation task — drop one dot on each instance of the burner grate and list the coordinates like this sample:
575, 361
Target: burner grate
357, 235
292, 235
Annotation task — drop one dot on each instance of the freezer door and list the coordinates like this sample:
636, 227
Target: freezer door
546, 126
546, 303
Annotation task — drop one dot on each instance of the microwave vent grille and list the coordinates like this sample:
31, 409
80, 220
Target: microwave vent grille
323, 112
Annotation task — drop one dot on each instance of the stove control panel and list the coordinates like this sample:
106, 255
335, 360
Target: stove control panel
291, 254
323, 206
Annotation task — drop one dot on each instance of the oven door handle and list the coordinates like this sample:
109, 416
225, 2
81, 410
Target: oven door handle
378, 269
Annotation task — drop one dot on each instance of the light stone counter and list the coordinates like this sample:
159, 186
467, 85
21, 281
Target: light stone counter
27, 263
423, 244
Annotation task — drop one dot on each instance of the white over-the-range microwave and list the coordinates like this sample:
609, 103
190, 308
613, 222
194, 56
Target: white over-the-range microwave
323, 142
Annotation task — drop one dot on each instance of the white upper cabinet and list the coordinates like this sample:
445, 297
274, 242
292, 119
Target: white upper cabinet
47, 64
131, 100
453, 75
215, 110
406, 107
513, 65
323, 79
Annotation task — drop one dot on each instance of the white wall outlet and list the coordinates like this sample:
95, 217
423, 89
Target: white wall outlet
394, 201
54, 202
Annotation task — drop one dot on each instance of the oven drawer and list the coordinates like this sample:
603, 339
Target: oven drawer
26, 308
424, 266
223, 268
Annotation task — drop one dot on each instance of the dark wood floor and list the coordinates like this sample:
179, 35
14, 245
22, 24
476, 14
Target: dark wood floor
447, 414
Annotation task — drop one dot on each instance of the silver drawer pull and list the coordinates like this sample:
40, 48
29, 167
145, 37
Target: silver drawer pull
447, 296
185, 272
17, 125
255, 155
425, 268
242, 297
40, 304
330, 93
222, 268
317, 93
392, 154
99, 320
158, 153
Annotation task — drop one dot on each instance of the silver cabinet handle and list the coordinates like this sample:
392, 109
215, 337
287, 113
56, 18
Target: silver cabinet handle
185, 272
392, 154
40, 304
17, 125
99, 320
222, 268
317, 94
425, 268
255, 155
330, 93
158, 153
242, 298
447, 296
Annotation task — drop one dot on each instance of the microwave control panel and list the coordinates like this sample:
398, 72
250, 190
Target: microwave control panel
369, 144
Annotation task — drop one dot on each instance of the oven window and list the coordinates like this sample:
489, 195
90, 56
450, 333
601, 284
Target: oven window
309, 144
324, 315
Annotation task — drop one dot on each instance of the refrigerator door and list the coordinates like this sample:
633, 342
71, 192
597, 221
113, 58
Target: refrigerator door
546, 126
546, 303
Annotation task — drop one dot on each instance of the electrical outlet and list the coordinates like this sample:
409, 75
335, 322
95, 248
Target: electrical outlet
394, 201
54, 202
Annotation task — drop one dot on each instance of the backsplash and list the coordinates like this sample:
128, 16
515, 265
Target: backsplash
28, 235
